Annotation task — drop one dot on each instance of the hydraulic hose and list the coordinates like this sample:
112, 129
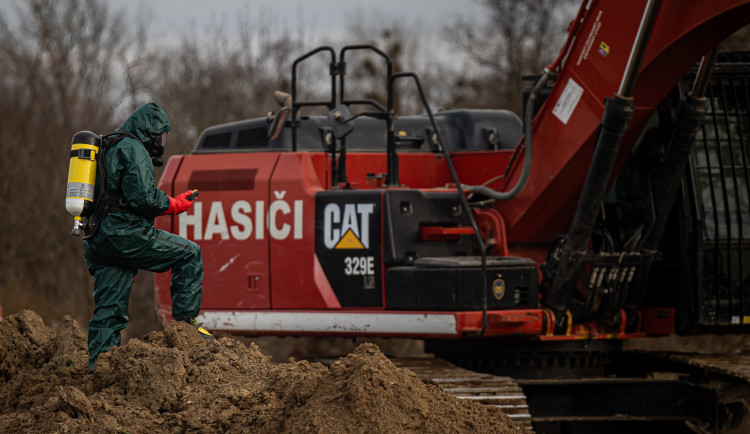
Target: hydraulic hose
461, 194
563, 265
528, 148
691, 112
560, 270
666, 182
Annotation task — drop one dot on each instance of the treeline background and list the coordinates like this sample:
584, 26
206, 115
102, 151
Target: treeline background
72, 65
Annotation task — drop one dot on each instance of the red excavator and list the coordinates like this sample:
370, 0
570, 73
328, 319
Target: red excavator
618, 208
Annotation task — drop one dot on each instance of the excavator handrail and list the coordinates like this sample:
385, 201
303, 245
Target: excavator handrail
296, 105
461, 193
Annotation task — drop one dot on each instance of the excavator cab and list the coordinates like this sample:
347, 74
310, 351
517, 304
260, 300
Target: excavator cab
704, 265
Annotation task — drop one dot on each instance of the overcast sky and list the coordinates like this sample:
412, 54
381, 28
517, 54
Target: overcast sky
326, 20
323, 21
330, 15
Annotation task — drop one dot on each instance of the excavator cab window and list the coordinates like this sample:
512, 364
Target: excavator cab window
217, 141
252, 138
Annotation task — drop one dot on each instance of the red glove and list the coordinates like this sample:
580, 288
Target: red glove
179, 204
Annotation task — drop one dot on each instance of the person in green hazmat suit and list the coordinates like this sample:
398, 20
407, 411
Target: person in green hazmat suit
126, 239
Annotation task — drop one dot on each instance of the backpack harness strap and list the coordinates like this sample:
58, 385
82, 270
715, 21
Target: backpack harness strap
106, 202
117, 203
115, 200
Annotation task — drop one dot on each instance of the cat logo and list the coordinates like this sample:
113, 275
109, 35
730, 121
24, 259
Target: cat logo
349, 241
349, 229
498, 288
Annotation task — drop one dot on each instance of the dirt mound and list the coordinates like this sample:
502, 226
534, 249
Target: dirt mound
365, 392
174, 380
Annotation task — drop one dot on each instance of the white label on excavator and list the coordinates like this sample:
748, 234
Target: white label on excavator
568, 101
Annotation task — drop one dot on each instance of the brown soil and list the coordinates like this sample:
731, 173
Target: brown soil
174, 381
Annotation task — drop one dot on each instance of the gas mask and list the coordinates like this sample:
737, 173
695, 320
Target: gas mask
156, 150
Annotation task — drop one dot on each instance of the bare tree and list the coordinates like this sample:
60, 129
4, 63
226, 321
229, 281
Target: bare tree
72, 65
221, 77
58, 76
739, 41
517, 38
410, 50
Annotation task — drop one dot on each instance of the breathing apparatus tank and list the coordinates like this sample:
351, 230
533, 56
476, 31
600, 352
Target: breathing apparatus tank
79, 200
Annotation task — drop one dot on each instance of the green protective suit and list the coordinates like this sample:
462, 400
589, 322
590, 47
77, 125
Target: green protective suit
126, 242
